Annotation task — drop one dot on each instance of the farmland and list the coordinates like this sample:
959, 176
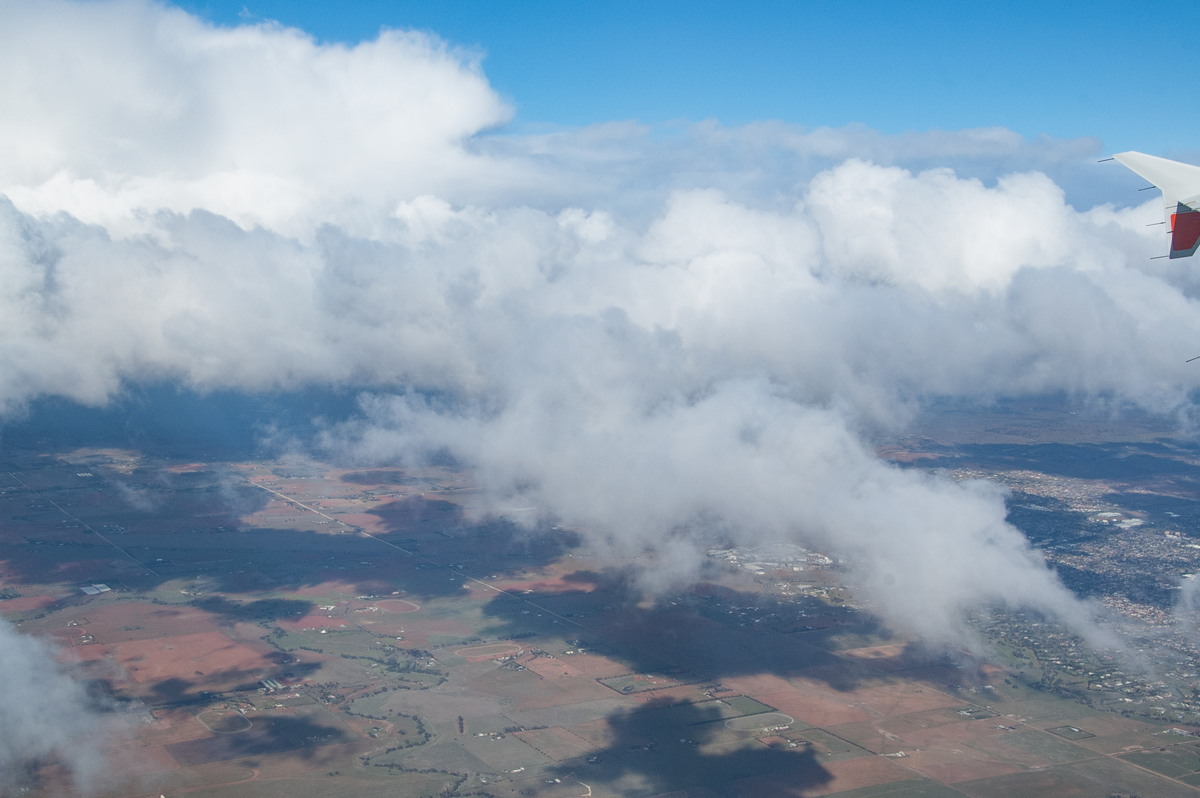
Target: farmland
287, 627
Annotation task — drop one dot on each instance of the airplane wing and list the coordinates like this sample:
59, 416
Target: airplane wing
1180, 186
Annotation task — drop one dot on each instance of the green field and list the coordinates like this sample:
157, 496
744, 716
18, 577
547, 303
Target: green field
1176, 762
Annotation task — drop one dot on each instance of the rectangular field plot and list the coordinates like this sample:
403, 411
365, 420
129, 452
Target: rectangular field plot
478, 754
1176, 762
644, 682
1031, 748
744, 705
372, 706
974, 712
1071, 732
262, 737
832, 747
684, 714
1100, 776
903, 789
556, 743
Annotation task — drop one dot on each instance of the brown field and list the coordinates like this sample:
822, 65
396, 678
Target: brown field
212, 775
417, 631
809, 778
890, 734
563, 692
224, 721
757, 684
272, 733
1102, 777
180, 657
71, 637
867, 771
597, 666
487, 651
902, 698
597, 733
1023, 748
1102, 725
143, 760
552, 668
816, 705
950, 767
173, 726
516, 686
556, 743
25, 604
128, 621
758, 722
682, 692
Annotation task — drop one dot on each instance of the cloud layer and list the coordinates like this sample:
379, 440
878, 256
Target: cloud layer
653, 335
47, 716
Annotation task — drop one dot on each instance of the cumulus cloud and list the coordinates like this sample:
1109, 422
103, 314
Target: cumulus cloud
740, 464
111, 109
656, 336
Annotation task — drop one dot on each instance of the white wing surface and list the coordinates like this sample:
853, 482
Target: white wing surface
1180, 186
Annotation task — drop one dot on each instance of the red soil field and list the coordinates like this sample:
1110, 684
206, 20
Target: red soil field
901, 698
181, 656
551, 668
813, 702
130, 620
90, 652
597, 666
820, 708
866, 771
25, 603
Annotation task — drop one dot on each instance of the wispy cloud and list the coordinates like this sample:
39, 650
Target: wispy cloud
47, 716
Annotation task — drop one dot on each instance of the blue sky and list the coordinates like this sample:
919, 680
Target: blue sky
1066, 69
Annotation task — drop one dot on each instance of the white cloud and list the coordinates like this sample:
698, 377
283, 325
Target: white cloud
111, 108
46, 715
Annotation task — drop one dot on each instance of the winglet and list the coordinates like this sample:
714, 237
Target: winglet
1180, 186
